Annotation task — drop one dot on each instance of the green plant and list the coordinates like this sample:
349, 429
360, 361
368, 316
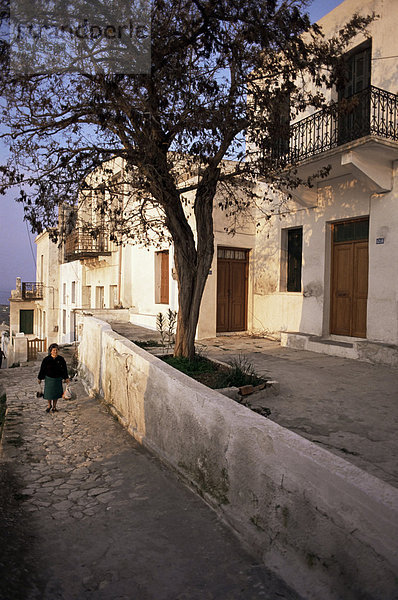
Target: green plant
197, 365
147, 343
166, 324
241, 372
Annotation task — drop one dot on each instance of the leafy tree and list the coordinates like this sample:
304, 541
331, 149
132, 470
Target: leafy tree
209, 108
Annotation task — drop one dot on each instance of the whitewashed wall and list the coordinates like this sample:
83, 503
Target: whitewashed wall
326, 527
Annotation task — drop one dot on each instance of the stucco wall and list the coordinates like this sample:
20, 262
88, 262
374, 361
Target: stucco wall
47, 272
308, 311
323, 525
383, 272
69, 272
145, 279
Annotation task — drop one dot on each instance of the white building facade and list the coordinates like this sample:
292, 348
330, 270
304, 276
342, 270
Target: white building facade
327, 271
322, 274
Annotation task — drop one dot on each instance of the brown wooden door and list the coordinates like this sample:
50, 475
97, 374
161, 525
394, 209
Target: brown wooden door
164, 277
231, 290
349, 289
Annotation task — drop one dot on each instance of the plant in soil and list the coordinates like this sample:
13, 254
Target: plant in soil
239, 372
147, 343
166, 324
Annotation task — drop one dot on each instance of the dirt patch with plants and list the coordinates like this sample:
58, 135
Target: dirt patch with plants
239, 371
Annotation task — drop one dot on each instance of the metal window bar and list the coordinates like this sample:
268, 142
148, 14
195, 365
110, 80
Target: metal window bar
371, 112
82, 244
32, 290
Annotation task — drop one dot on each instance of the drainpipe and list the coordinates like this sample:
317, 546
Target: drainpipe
119, 283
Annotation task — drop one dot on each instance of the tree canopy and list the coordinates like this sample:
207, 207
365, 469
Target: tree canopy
220, 71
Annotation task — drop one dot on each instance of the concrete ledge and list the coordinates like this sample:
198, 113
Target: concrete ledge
326, 527
142, 320
108, 314
366, 350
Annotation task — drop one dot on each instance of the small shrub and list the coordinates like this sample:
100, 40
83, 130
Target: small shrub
241, 372
166, 324
147, 343
191, 367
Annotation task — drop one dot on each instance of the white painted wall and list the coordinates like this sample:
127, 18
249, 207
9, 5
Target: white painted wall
346, 193
308, 312
47, 272
144, 282
326, 527
69, 273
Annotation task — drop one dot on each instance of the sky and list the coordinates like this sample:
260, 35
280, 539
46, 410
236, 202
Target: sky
17, 247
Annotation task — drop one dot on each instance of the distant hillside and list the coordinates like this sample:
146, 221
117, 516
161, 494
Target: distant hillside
4, 295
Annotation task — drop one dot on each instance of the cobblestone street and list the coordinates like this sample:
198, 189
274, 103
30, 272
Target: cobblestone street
89, 514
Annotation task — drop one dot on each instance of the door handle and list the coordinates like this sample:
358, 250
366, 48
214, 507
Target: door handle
342, 295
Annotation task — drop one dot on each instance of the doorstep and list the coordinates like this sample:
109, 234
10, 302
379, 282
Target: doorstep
354, 348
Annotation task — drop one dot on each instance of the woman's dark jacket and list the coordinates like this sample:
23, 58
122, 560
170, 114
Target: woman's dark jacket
53, 367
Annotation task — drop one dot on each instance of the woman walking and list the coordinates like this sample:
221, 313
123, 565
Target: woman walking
53, 370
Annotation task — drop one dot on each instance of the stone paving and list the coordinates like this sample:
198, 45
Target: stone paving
87, 513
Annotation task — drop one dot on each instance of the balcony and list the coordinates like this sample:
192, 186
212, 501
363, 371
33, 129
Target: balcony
372, 112
82, 244
356, 137
32, 290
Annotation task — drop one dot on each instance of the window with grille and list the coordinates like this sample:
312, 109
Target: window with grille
291, 259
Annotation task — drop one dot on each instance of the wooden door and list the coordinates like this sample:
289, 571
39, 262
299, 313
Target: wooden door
349, 286
99, 297
164, 277
232, 266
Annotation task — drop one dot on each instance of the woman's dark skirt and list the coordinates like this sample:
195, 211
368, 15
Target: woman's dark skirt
53, 388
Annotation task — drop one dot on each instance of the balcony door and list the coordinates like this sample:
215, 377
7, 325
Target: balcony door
26, 321
232, 269
349, 285
354, 120
99, 297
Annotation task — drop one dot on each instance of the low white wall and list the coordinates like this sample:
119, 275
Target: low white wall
326, 527
148, 321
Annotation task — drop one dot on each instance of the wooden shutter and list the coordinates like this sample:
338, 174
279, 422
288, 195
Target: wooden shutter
164, 277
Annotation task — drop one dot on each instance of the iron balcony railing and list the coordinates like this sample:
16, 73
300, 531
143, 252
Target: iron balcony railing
32, 290
82, 243
370, 112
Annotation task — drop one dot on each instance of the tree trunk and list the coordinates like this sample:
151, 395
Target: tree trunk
193, 266
192, 260
190, 290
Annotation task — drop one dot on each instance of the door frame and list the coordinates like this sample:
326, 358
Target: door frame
332, 245
246, 282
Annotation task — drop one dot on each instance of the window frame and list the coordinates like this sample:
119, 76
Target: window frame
291, 284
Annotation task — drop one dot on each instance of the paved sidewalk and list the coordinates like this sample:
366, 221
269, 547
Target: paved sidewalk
88, 514
346, 406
